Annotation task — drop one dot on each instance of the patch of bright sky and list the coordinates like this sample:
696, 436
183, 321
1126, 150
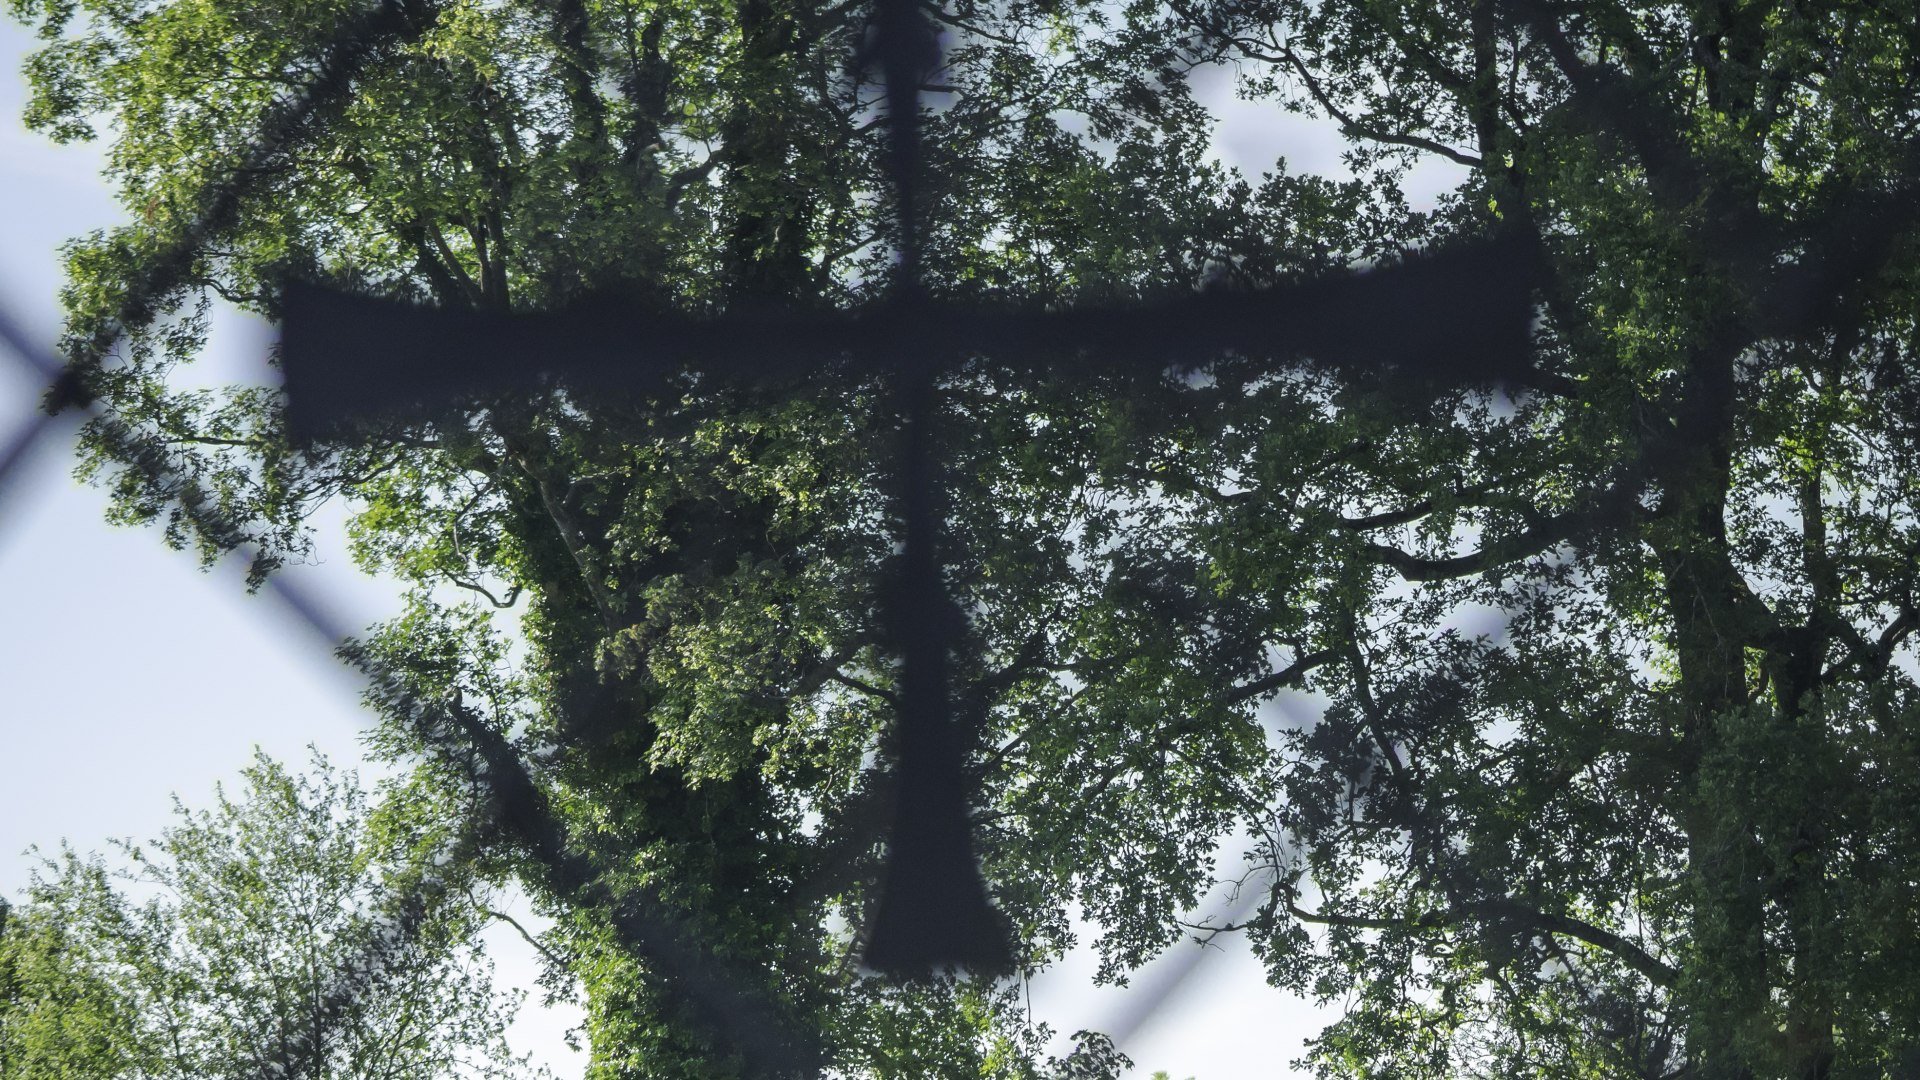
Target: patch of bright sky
134, 675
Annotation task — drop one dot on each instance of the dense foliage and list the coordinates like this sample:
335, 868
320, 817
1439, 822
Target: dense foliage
1661, 825
205, 953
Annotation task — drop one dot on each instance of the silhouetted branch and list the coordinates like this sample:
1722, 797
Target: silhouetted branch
1604, 510
1291, 675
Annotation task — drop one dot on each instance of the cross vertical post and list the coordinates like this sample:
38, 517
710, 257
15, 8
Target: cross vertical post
933, 910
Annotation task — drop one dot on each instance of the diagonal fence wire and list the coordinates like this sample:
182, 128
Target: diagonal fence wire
739, 1012
516, 798
62, 390
903, 50
519, 814
906, 51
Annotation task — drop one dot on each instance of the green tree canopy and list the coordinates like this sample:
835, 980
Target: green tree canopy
1662, 825
209, 952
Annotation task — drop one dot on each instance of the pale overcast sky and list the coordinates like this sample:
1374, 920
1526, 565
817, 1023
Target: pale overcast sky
132, 675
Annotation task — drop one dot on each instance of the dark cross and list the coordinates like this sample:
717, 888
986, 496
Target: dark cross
1459, 316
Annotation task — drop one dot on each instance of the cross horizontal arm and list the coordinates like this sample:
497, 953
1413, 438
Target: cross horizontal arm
1460, 316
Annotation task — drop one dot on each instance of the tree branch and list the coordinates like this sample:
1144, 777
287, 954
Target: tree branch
450, 263
831, 663
1473, 496
1351, 127
603, 600
864, 687
1660, 974
513, 594
678, 183
551, 956
1291, 675
1542, 537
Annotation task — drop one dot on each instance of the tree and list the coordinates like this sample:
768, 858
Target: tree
214, 953
1654, 830
1659, 826
517, 156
